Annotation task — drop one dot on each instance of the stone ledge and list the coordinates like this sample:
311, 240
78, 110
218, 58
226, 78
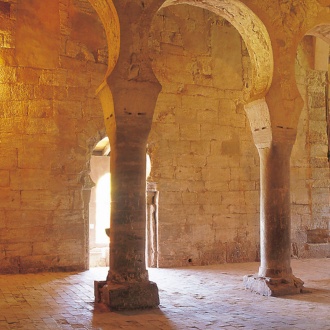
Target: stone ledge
274, 287
127, 296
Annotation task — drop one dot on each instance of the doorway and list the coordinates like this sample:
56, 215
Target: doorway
99, 206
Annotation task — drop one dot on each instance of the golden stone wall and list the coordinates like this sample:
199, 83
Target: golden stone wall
203, 156
202, 152
49, 121
309, 161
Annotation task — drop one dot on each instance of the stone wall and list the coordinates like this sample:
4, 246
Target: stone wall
309, 162
53, 57
202, 153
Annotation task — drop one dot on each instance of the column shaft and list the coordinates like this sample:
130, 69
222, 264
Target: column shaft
275, 218
275, 276
128, 213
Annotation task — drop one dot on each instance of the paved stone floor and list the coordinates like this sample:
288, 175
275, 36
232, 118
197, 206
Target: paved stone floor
209, 297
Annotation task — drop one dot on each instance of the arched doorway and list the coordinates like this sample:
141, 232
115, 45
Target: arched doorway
99, 205
203, 155
310, 156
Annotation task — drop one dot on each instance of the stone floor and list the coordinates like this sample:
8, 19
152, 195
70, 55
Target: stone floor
209, 297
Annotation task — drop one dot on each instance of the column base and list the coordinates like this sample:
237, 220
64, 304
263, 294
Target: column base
127, 296
274, 287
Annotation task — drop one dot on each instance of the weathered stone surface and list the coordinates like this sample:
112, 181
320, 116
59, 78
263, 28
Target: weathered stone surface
274, 287
4, 178
203, 150
310, 165
127, 296
42, 157
38, 38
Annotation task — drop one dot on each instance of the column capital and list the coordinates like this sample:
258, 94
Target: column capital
128, 110
130, 89
267, 129
259, 117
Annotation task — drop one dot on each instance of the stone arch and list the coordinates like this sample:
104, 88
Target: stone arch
196, 144
322, 31
252, 31
109, 18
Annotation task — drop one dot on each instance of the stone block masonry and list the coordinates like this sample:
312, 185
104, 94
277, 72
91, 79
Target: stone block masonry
203, 155
50, 120
202, 152
310, 167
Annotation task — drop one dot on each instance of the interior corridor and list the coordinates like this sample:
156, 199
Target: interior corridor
209, 297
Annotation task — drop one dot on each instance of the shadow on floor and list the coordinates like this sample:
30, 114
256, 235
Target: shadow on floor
104, 318
320, 296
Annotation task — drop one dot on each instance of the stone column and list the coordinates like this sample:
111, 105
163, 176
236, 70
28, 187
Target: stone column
128, 98
275, 224
127, 285
88, 184
152, 224
128, 214
275, 276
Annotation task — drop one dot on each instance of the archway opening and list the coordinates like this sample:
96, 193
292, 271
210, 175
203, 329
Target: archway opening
99, 205
310, 155
203, 155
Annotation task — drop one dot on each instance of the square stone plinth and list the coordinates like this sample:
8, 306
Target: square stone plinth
127, 296
274, 287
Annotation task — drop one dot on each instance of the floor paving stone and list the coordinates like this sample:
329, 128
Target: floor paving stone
210, 297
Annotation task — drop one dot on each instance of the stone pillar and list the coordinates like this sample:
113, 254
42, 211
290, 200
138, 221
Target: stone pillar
128, 213
275, 224
152, 224
127, 285
88, 184
275, 276
128, 99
